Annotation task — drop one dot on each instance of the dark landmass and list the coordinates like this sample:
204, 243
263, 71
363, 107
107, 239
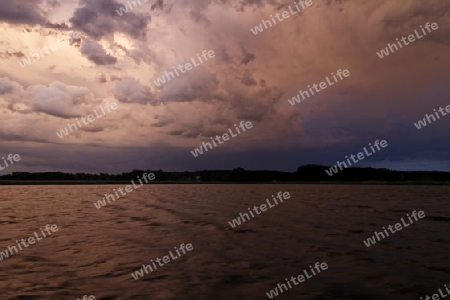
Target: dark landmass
304, 174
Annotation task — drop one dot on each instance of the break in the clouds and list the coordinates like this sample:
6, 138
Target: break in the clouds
250, 78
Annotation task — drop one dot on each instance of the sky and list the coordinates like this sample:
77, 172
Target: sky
112, 58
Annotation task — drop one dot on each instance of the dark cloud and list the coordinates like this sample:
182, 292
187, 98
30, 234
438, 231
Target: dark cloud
247, 79
102, 79
28, 12
248, 57
199, 17
197, 11
99, 19
159, 4
415, 14
114, 78
261, 110
7, 54
262, 83
62, 26
162, 122
188, 133
92, 129
53, 3
240, 5
95, 53
20, 137
21, 12
141, 53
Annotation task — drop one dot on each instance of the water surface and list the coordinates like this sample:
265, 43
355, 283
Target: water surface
95, 250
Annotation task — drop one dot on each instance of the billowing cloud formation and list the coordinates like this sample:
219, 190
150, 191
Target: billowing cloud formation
59, 100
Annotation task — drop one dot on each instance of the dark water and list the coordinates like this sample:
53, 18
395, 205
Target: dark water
95, 251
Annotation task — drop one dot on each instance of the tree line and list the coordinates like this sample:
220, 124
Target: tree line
306, 173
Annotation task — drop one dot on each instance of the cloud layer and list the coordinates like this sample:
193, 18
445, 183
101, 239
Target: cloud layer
251, 77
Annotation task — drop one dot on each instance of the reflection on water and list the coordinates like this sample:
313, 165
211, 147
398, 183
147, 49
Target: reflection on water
95, 251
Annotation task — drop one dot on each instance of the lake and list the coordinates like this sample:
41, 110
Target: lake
95, 251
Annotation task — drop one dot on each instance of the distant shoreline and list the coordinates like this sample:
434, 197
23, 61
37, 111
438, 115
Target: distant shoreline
307, 174
99, 182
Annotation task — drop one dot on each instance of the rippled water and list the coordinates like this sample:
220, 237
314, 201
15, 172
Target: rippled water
95, 251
